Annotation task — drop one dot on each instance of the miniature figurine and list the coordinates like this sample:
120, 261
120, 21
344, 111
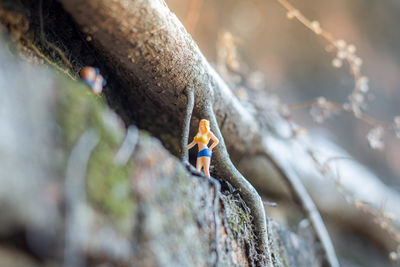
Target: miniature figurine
93, 78
202, 139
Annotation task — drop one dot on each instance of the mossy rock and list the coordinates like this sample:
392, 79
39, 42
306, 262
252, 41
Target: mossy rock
108, 184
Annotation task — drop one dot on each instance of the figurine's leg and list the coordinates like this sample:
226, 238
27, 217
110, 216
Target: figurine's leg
198, 164
206, 165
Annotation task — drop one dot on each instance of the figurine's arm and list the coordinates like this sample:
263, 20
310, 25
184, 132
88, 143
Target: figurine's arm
215, 139
192, 144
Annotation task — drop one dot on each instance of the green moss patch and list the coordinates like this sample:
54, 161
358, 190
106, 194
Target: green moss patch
108, 185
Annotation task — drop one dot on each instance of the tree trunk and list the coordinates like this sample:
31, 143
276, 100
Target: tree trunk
158, 62
79, 190
154, 68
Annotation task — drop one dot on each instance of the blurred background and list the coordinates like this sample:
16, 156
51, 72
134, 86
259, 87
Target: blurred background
292, 62
282, 58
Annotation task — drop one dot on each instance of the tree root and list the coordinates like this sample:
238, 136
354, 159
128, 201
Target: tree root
75, 195
155, 59
186, 124
225, 169
307, 205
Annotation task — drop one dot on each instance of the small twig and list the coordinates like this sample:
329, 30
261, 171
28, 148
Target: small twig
75, 198
383, 220
326, 35
60, 53
235, 192
43, 37
336, 106
271, 204
40, 54
344, 53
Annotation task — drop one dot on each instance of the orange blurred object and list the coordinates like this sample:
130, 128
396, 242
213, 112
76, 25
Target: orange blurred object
93, 78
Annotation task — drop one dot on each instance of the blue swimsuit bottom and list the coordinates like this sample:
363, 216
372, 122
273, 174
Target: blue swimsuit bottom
206, 152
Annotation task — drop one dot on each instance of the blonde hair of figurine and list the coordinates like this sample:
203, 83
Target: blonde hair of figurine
206, 124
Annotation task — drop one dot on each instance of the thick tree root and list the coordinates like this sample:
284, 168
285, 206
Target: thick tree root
151, 54
227, 171
224, 168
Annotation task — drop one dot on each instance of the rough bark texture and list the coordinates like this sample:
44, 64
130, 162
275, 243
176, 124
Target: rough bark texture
71, 203
157, 60
247, 153
154, 80
160, 63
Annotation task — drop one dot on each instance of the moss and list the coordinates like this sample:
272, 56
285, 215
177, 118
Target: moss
238, 221
108, 185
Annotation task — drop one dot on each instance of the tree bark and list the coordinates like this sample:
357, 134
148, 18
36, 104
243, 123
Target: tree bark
152, 53
67, 201
158, 61
275, 140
